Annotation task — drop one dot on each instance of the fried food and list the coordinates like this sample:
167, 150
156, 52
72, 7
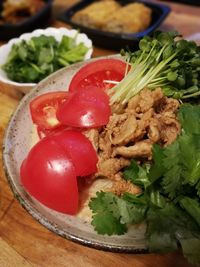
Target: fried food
94, 15
131, 18
110, 16
17, 10
149, 118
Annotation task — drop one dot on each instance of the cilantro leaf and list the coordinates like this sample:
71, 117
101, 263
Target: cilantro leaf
174, 226
198, 188
191, 248
160, 235
157, 169
156, 198
106, 219
192, 206
190, 157
172, 179
119, 210
137, 174
106, 223
189, 117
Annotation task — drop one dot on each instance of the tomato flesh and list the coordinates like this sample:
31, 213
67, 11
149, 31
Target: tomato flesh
43, 109
48, 132
96, 73
80, 149
86, 107
48, 174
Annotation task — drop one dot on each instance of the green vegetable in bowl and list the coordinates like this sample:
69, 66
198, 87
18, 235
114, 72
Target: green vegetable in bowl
31, 61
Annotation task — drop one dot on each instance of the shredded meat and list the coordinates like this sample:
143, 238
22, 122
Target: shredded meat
110, 167
123, 133
120, 186
148, 118
140, 149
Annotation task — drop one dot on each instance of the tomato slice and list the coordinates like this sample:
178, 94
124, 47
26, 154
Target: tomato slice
44, 107
48, 132
48, 174
80, 149
97, 72
86, 107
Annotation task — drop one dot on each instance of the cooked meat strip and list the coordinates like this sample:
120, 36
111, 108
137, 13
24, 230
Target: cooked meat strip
148, 118
121, 186
139, 149
124, 133
105, 146
110, 167
143, 124
154, 130
118, 108
133, 103
170, 128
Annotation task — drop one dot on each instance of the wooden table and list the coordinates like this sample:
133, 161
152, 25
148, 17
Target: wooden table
23, 241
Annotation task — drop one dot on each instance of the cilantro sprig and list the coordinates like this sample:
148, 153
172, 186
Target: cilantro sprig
170, 202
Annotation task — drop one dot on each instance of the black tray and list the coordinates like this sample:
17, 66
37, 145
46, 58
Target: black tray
188, 2
117, 41
39, 20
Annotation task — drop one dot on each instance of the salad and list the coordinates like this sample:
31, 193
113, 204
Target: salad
127, 121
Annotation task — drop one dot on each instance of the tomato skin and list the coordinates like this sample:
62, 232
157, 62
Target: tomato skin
43, 109
80, 149
94, 74
87, 107
48, 175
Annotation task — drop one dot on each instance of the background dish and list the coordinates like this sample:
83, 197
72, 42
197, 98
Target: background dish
41, 19
57, 33
114, 40
17, 144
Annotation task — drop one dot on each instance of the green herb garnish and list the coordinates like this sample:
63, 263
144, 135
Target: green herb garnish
31, 61
162, 61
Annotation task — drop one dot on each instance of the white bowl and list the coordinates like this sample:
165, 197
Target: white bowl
58, 33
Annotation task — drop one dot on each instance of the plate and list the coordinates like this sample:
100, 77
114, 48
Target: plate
17, 143
116, 41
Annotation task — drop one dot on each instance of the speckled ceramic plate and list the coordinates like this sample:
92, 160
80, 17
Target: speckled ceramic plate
17, 143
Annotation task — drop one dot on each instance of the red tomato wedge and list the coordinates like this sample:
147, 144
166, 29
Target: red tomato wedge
47, 132
80, 149
97, 72
44, 107
48, 174
87, 107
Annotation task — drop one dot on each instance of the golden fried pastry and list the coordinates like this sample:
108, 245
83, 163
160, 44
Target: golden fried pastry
94, 15
132, 18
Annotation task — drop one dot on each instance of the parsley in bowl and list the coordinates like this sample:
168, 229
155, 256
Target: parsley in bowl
27, 60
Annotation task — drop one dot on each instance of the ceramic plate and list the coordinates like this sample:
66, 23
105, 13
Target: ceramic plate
17, 143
